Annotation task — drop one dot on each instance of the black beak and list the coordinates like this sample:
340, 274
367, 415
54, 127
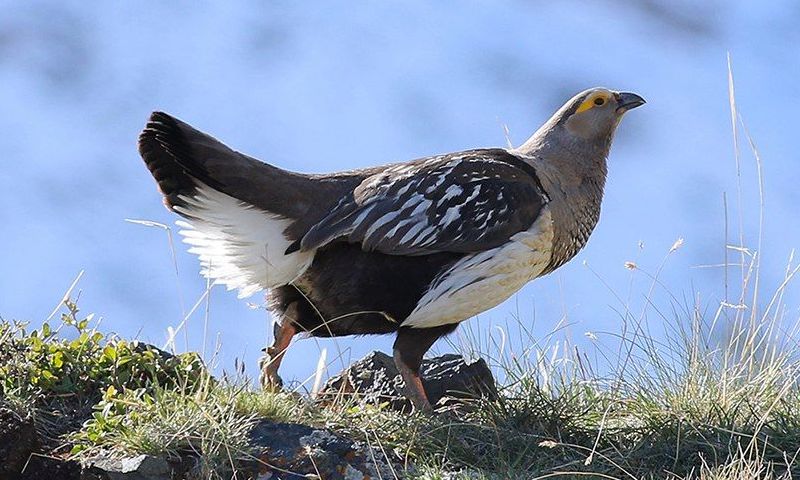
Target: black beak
628, 101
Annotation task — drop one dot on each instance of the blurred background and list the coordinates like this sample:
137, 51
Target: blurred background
325, 86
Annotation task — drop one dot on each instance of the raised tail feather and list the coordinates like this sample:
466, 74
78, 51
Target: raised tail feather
238, 212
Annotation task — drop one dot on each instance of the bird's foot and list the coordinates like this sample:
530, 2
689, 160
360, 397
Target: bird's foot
419, 402
269, 379
284, 330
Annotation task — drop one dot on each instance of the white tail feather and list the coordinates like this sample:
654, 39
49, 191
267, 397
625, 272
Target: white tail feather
239, 245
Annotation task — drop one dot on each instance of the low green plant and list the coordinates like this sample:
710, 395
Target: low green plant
59, 373
42, 361
211, 423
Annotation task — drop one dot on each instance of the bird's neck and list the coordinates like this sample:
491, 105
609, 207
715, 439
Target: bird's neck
575, 165
584, 157
574, 178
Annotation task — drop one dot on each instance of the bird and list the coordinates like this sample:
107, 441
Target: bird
411, 249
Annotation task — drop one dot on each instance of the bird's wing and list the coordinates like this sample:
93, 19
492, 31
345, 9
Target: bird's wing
465, 202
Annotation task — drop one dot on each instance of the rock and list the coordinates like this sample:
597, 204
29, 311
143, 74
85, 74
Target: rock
375, 380
451, 376
294, 451
140, 467
18, 440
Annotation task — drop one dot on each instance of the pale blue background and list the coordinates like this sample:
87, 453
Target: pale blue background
335, 85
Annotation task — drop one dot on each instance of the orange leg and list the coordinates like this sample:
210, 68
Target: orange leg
271, 361
414, 388
409, 348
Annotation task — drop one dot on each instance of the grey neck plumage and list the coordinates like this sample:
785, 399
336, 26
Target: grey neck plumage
573, 174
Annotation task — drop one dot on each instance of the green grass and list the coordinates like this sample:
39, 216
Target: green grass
211, 422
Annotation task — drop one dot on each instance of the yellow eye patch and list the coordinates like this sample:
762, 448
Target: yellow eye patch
596, 100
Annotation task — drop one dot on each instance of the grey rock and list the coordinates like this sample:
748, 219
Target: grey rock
375, 380
294, 451
140, 467
145, 465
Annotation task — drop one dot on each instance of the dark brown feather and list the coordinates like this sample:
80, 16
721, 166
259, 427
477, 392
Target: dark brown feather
178, 155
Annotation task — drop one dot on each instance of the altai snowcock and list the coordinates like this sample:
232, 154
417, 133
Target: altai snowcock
409, 248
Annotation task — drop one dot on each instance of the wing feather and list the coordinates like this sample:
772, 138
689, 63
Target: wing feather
465, 202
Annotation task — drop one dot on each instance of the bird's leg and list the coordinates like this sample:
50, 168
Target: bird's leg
409, 347
414, 389
284, 330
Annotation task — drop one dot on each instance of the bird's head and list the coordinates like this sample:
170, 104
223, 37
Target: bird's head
588, 120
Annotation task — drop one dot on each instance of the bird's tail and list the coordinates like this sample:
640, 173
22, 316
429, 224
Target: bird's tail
238, 211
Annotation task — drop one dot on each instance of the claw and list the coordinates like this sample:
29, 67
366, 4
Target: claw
271, 361
269, 378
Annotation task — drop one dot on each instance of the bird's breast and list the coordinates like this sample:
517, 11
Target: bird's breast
483, 280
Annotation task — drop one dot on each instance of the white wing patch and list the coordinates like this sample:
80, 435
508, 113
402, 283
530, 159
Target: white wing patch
483, 280
239, 245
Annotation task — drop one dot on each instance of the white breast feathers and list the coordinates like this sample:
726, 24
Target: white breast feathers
483, 280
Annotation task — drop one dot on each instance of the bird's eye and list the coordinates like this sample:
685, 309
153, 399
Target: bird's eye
599, 101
